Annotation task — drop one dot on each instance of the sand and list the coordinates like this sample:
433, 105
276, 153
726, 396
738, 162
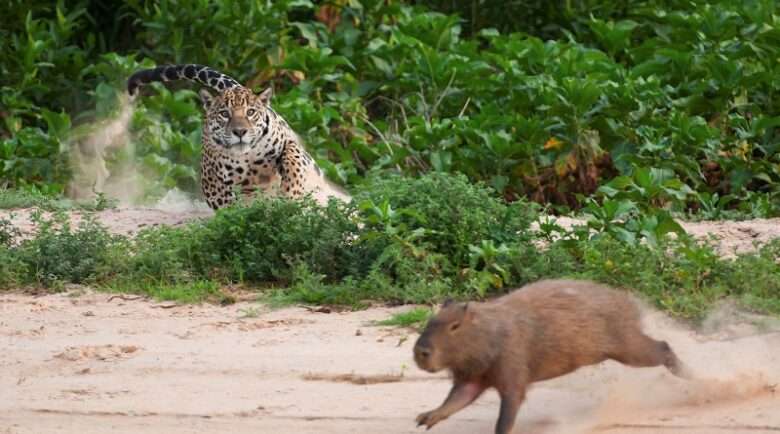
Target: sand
82, 362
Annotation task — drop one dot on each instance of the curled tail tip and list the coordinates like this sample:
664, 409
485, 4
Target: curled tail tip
131, 96
145, 76
132, 89
135, 81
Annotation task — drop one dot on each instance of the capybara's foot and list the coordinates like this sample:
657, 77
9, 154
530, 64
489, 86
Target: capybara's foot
429, 418
678, 368
674, 364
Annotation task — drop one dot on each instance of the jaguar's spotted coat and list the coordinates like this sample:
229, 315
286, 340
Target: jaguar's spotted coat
246, 145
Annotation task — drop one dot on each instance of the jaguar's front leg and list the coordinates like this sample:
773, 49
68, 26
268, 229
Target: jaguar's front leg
293, 167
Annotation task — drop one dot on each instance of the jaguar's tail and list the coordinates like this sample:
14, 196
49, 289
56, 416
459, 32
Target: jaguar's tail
198, 73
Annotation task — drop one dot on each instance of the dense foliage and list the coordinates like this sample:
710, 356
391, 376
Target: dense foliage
447, 120
546, 100
380, 248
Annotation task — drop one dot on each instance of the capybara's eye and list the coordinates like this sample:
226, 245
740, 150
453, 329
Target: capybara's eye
454, 326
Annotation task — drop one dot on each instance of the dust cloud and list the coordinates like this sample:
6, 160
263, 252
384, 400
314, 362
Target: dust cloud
177, 201
91, 156
733, 361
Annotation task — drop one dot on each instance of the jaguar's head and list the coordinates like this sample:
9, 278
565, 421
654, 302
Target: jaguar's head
237, 118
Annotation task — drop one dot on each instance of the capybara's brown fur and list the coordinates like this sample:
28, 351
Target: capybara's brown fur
540, 331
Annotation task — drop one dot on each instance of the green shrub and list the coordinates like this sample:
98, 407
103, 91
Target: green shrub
259, 242
11, 269
165, 254
370, 85
417, 318
60, 253
754, 278
448, 211
348, 255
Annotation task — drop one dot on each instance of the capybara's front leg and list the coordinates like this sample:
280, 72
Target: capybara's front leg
510, 405
461, 395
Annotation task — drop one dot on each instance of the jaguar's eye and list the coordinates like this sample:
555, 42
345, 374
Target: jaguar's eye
250, 112
225, 114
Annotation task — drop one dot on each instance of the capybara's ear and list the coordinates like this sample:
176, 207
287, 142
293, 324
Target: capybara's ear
447, 301
468, 312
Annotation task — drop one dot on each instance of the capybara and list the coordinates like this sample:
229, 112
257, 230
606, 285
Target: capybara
540, 331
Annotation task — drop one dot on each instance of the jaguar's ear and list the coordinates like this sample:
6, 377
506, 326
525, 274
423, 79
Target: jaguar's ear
206, 98
266, 95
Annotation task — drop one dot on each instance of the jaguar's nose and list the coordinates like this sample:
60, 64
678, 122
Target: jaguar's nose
239, 132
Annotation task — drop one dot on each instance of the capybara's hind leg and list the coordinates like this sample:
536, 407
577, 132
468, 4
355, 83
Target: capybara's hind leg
510, 404
641, 350
674, 364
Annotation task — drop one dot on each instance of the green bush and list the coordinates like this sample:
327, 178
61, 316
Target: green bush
449, 213
755, 278
60, 253
261, 242
258, 243
412, 248
417, 235
11, 269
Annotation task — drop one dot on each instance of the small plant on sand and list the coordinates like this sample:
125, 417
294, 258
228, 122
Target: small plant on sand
250, 312
415, 318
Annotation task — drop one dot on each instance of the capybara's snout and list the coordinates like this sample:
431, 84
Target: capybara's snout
423, 354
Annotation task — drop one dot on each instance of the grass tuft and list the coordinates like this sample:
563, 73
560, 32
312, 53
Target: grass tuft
415, 318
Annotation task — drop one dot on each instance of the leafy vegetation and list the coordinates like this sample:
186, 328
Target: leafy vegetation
33, 198
345, 253
452, 123
349, 254
592, 95
60, 253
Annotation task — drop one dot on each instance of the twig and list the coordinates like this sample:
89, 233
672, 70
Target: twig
321, 309
379, 133
465, 106
443, 93
125, 297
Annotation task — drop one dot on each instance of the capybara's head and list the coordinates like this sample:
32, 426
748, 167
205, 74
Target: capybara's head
439, 344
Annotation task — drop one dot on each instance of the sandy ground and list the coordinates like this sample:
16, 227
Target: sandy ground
93, 363
125, 221
87, 363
